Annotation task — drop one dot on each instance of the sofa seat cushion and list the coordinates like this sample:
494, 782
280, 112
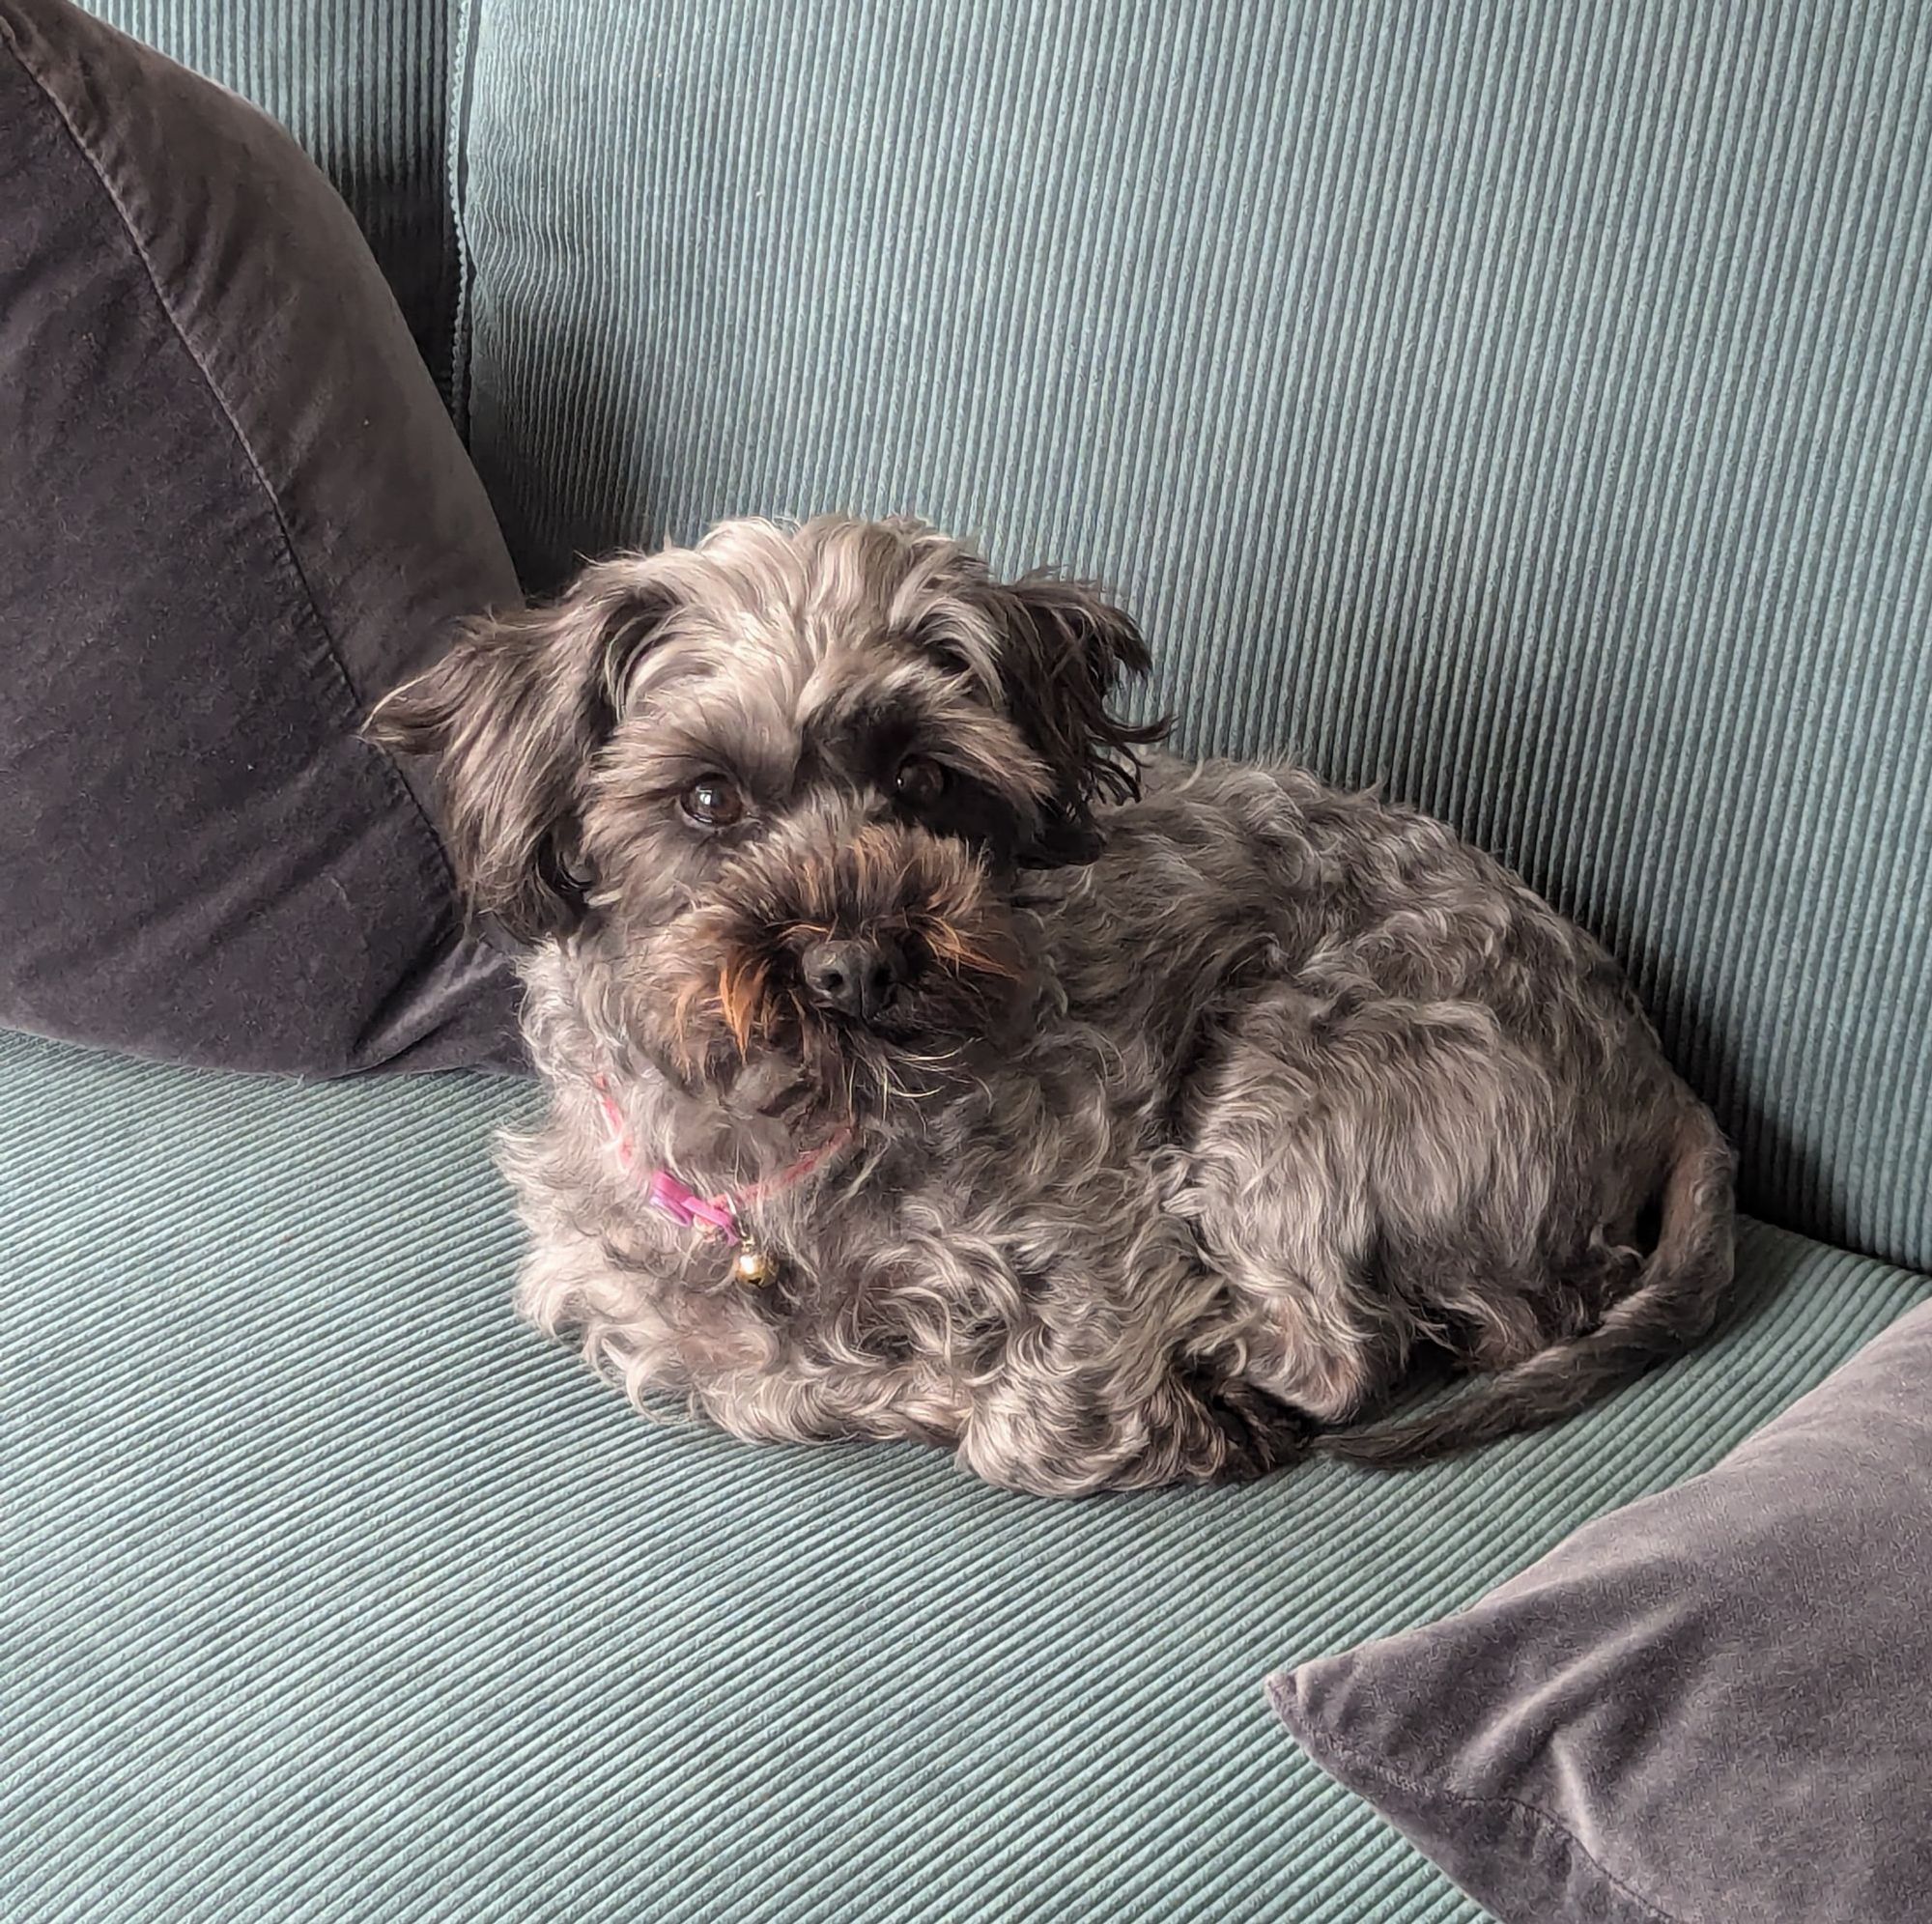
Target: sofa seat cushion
330, 1590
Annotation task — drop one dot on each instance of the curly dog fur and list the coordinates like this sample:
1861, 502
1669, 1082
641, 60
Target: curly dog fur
1162, 1114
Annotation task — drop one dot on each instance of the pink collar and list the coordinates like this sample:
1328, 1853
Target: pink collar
715, 1215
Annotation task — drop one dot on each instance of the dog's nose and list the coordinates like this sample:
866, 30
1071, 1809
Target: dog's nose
857, 978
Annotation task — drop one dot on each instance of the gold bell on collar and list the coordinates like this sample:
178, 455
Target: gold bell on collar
752, 1265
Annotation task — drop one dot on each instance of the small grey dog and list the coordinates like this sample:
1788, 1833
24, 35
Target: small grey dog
931, 1058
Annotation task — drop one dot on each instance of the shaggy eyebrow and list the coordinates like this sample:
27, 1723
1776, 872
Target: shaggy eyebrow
869, 732
765, 759
868, 727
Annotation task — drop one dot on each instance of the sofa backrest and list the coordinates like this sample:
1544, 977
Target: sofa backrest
1529, 409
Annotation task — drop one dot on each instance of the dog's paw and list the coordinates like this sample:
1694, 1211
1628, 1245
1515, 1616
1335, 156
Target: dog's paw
1261, 1433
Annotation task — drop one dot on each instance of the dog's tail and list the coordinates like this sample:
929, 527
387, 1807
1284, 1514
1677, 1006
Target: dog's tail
1675, 1301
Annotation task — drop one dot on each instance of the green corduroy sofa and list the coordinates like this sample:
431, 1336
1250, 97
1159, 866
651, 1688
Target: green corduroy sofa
1524, 410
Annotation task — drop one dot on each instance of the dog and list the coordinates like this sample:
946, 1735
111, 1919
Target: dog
931, 1055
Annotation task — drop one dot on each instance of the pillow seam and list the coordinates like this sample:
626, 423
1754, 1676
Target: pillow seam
391, 777
460, 108
1375, 1766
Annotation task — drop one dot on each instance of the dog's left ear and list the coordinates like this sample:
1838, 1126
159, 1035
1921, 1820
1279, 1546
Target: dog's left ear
1062, 653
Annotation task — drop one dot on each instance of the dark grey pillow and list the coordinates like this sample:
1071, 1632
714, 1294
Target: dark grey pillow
1709, 1706
232, 513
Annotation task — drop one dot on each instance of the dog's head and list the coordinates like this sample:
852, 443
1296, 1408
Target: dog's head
787, 780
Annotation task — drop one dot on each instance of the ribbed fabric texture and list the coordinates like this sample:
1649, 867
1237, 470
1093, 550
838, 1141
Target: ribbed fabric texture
1526, 408
364, 86
327, 1592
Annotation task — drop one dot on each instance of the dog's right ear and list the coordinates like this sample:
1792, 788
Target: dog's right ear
513, 714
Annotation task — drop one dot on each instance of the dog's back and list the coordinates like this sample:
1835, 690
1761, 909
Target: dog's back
1416, 1106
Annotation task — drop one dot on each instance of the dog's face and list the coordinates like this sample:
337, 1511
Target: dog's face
785, 782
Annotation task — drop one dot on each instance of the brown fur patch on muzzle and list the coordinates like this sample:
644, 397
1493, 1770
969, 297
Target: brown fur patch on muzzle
929, 900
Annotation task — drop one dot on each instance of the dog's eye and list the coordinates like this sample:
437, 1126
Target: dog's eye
713, 802
919, 782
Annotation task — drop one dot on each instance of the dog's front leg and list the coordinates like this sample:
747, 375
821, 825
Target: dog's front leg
1123, 1398
1068, 1436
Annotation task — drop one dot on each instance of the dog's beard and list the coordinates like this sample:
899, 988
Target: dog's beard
720, 997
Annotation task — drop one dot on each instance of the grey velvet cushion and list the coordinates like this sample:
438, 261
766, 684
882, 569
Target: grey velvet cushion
1708, 1706
232, 511
364, 86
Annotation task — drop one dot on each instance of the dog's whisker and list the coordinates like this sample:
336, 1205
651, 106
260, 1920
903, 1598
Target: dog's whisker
935, 1060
